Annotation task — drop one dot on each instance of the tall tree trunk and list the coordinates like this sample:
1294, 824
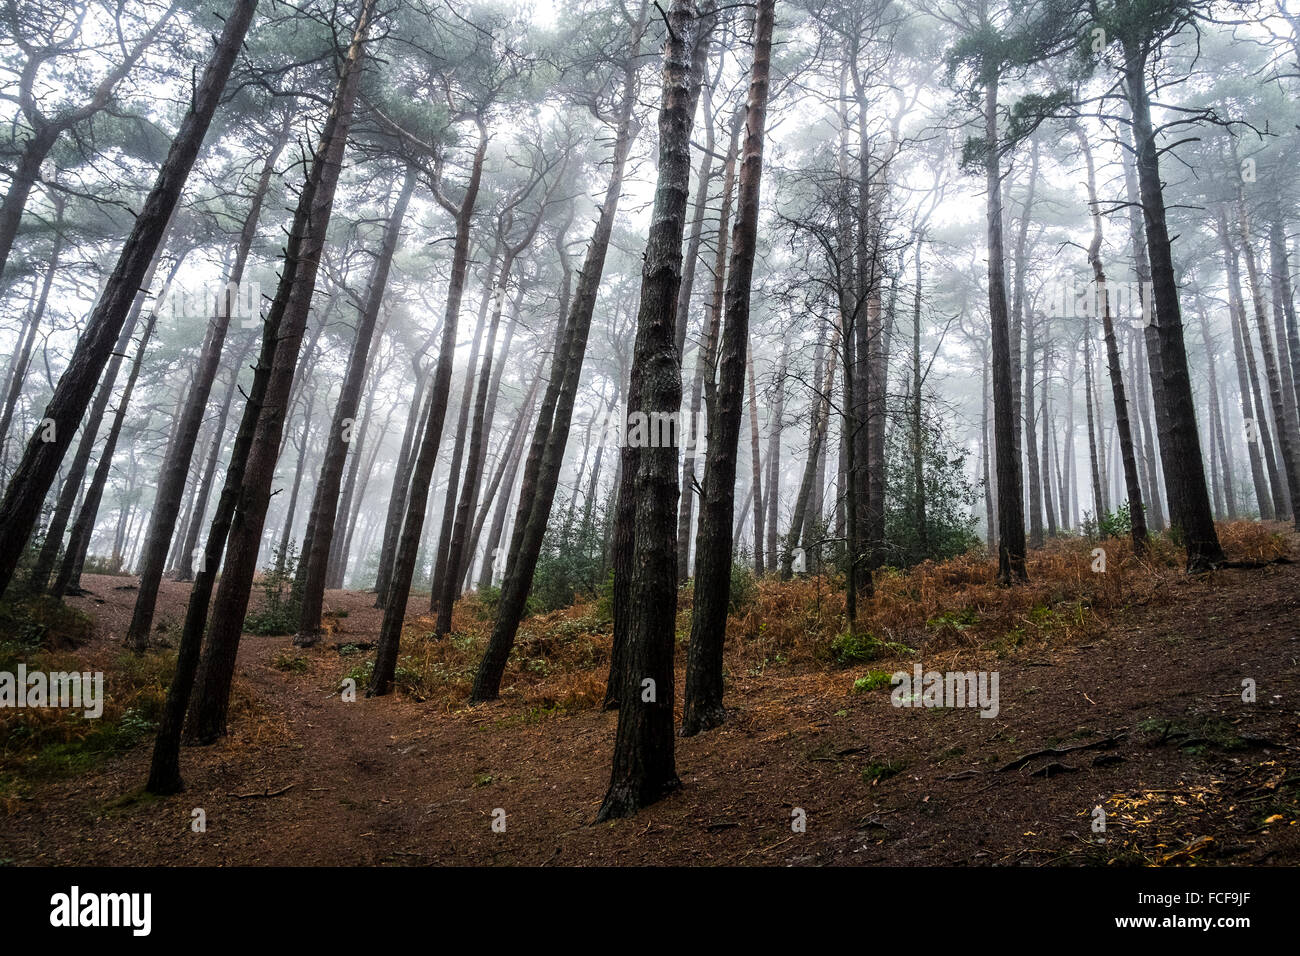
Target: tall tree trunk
189, 549
416, 418
550, 434
1281, 269
69, 576
324, 509
774, 458
345, 517
1150, 338
1010, 492
990, 505
1284, 331
644, 769
1183, 465
918, 433
703, 707
1267, 490
706, 355
1098, 504
757, 461
466, 545
1217, 431
442, 554
446, 585
48, 555
241, 515
1045, 419
22, 358
1132, 481
484, 412
1024, 402
805, 517
176, 466
1030, 440
504, 480
408, 542
35, 473
1282, 421
304, 442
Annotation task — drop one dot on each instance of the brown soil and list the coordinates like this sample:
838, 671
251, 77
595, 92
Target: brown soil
1194, 774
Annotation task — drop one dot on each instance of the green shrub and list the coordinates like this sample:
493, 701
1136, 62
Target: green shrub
872, 681
282, 605
850, 648
744, 588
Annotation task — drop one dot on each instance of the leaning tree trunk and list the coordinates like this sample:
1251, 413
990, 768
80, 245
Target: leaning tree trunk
504, 482
416, 418
446, 586
35, 473
644, 768
1183, 465
550, 435
189, 549
74, 557
247, 491
48, 555
22, 358
176, 466
408, 542
484, 411
454, 481
69, 577
703, 707
324, 509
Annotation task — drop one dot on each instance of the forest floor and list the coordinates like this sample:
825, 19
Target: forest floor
1131, 698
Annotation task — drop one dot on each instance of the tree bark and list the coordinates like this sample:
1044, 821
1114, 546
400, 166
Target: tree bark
644, 768
1183, 466
1010, 492
703, 707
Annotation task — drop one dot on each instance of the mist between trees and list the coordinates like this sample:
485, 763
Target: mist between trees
552, 301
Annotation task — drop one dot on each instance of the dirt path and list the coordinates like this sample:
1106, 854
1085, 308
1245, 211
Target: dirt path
1183, 768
